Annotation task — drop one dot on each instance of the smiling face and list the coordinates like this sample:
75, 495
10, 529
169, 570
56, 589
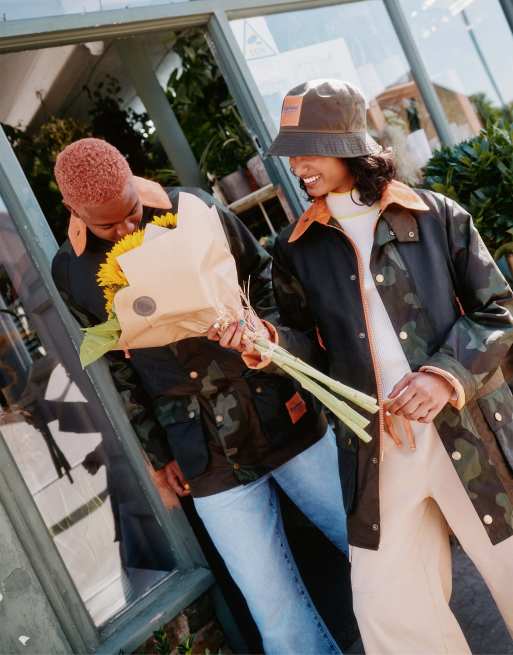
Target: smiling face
322, 175
113, 219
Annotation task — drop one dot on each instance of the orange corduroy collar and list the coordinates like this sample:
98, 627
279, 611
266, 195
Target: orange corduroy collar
396, 193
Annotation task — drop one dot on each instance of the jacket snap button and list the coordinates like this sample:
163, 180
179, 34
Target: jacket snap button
236, 467
374, 460
456, 455
411, 234
403, 336
498, 416
487, 519
192, 414
380, 278
258, 389
375, 527
361, 335
219, 418
352, 277
193, 375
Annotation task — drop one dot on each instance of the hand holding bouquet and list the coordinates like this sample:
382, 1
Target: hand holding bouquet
175, 280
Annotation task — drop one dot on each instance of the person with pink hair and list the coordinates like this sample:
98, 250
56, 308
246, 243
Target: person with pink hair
210, 427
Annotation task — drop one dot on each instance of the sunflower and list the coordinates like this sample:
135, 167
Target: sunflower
108, 294
167, 220
110, 273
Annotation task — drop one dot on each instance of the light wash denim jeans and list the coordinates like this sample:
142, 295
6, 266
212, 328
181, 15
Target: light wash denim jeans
246, 526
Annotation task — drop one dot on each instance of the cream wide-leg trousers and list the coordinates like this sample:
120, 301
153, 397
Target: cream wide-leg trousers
401, 591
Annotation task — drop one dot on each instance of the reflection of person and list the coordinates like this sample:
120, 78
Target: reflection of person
409, 306
234, 433
412, 114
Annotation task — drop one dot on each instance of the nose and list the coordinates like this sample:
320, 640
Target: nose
125, 227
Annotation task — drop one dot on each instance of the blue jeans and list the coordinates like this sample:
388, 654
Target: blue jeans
246, 526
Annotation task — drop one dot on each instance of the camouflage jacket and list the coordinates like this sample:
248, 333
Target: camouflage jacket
447, 299
193, 400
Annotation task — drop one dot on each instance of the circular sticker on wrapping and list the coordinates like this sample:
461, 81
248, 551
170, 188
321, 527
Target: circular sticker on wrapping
144, 306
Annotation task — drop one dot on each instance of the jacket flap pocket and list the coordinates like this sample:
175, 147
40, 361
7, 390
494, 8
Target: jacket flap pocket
497, 408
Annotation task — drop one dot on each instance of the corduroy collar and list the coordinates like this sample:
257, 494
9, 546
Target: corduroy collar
396, 193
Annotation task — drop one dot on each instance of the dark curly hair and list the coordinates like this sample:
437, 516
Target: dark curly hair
371, 175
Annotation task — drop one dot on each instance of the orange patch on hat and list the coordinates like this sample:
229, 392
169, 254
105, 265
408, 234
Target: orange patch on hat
291, 111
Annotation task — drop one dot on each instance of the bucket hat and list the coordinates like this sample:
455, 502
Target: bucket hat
324, 117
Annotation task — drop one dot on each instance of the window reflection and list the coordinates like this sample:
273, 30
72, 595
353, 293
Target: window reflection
467, 48
73, 466
354, 42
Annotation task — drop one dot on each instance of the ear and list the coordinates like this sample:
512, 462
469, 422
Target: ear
77, 234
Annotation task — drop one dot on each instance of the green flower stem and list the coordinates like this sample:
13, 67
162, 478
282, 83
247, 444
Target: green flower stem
338, 407
279, 354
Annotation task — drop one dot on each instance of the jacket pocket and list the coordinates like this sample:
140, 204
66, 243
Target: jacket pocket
181, 419
281, 406
497, 408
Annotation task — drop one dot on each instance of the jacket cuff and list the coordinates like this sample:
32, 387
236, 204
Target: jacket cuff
449, 365
255, 360
457, 399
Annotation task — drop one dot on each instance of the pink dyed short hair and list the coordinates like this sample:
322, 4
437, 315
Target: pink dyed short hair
91, 171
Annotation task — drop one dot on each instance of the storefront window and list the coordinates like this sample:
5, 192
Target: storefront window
354, 42
74, 467
467, 47
13, 9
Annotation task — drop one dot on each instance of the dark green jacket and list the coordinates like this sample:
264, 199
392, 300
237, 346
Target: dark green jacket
447, 300
194, 400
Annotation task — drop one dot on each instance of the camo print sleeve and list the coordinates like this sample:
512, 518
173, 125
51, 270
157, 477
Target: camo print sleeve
481, 337
138, 405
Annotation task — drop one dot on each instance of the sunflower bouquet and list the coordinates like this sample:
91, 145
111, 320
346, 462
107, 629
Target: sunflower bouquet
176, 278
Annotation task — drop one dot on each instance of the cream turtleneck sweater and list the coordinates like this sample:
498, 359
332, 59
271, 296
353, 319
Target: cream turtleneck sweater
359, 222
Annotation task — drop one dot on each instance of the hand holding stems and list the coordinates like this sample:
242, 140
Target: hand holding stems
237, 336
418, 397
255, 340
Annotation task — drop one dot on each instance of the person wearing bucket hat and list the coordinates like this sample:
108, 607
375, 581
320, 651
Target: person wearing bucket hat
398, 289
209, 429
325, 118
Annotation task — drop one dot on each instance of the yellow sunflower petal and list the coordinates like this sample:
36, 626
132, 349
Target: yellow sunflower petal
127, 243
108, 294
167, 220
110, 274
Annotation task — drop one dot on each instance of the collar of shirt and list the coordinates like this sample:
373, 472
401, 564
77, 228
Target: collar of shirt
397, 197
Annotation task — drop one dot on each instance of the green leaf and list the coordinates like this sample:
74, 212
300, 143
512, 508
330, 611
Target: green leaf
478, 173
98, 340
109, 326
